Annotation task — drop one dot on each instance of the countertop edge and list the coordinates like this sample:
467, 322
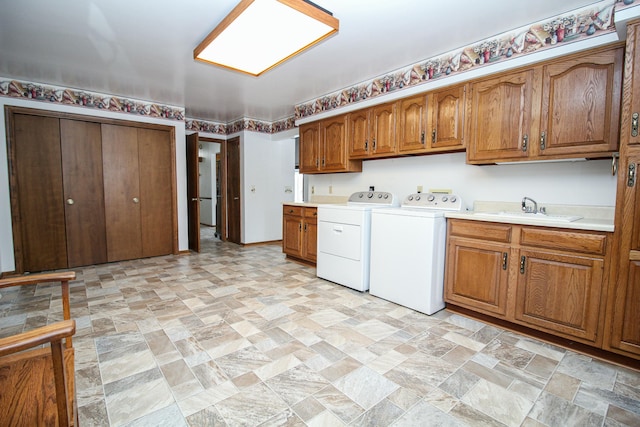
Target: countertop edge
581, 224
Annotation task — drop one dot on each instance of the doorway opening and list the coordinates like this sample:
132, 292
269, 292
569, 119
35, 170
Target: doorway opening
210, 186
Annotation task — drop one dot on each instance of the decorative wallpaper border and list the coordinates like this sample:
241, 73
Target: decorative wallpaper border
251, 125
582, 23
83, 98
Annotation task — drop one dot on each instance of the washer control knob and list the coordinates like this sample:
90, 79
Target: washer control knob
410, 198
370, 195
431, 198
445, 198
361, 195
380, 196
386, 196
417, 198
454, 199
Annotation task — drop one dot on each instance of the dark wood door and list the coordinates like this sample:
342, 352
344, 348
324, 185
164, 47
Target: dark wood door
219, 222
193, 192
81, 146
233, 191
121, 192
37, 194
156, 195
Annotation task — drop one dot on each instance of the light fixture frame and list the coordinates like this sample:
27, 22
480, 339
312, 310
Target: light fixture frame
302, 6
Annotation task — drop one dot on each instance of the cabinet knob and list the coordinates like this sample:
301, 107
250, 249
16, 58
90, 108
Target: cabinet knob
634, 124
70, 201
136, 200
505, 257
543, 140
523, 260
525, 142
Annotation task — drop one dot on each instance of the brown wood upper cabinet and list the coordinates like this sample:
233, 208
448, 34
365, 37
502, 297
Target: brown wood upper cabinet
324, 148
432, 122
372, 132
566, 108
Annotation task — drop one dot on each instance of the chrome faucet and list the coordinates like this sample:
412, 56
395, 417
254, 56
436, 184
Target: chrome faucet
529, 209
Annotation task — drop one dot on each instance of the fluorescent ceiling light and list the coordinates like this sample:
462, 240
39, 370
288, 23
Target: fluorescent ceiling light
259, 34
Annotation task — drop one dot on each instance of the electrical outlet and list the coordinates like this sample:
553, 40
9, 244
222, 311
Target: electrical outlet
313, 189
331, 189
253, 188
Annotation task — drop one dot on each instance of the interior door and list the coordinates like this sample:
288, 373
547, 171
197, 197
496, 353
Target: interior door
219, 222
81, 146
38, 209
121, 192
156, 196
193, 192
233, 190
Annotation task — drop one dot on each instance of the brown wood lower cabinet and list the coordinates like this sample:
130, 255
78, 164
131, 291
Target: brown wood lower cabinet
300, 232
546, 279
87, 192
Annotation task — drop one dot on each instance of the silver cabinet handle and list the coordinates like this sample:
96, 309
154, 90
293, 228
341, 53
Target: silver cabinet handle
70, 201
525, 142
194, 199
136, 200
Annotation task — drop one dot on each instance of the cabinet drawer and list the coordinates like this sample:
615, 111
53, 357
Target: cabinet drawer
480, 230
311, 212
588, 243
292, 210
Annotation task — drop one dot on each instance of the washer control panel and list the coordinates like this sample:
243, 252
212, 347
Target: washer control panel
374, 198
449, 202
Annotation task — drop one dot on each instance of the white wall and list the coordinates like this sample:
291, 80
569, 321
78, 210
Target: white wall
267, 170
7, 260
577, 183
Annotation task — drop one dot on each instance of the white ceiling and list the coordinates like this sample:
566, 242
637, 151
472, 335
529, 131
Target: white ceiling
143, 49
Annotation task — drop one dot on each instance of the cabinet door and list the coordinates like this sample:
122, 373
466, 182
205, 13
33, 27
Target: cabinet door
477, 275
500, 123
333, 143
310, 250
560, 293
623, 310
359, 134
156, 207
382, 129
37, 194
81, 145
411, 129
309, 148
292, 235
581, 105
447, 119
630, 120
625, 331
121, 192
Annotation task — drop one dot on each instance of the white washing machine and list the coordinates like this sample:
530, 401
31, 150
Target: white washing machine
408, 251
344, 236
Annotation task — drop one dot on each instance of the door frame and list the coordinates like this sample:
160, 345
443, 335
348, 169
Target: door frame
223, 232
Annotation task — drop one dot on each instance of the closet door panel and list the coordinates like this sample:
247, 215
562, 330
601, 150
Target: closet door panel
156, 206
39, 193
81, 146
121, 192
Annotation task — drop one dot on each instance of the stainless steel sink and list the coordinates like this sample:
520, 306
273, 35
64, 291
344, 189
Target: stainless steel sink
531, 215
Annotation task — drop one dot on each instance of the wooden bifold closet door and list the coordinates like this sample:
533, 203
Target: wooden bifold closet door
86, 192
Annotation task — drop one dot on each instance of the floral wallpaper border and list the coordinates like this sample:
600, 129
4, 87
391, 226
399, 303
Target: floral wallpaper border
83, 98
582, 23
251, 125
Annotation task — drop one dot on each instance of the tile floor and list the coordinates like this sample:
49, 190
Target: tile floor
238, 336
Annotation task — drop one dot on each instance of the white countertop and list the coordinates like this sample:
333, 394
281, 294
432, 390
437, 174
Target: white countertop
319, 200
594, 218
